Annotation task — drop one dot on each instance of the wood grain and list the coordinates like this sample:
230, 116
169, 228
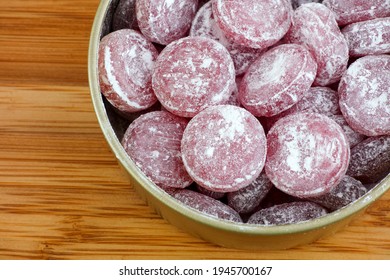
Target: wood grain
62, 194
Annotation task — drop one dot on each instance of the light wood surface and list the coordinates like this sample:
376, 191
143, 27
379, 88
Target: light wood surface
62, 194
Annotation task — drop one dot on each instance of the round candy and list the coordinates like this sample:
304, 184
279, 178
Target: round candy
350, 11
370, 159
365, 96
288, 213
315, 27
204, 25
126, 60
277, 80
224, 148
164, 21
249, 198
205, 204
368, 37
308, 154
353, 136
192, 74
343, 194
153, 142
253, 23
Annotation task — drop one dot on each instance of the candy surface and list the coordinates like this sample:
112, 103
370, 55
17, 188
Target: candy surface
124, 16
125, 74
287, 213
315, 27
353, 136
164, 21
365, 97
370, 159
253, 23
296, 3
248, 198
205, 204
308, 154
153, 142
192, 74
346, 192
204, 25
277, 80
350, 11
224, 148
368, 37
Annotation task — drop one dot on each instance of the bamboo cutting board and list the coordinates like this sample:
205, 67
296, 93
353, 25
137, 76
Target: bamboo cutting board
62, 194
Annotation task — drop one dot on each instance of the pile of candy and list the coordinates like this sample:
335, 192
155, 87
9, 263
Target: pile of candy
258, 111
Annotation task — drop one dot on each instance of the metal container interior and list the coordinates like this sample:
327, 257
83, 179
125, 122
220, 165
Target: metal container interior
223, 233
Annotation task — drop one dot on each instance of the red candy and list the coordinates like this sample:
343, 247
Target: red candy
277, 80
343, 194
364, 95
288, 213
164, 21
368, 37
354, 137
192, 74
308, 154
125, 73
205, 204
370, 159
224, 148
204, 25
350, 11
296, 3
249, 198
253, 23
153, 142
315, 27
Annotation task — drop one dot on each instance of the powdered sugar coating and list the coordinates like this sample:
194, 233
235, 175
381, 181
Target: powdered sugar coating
253, 23
346, 192
204, 25
125, 62
315, 27
353, 136
153, 142
277, 80
224, 148
205, 204
365, 97
192, 74
350, 11
368, 37
370, 159
307, 155
288, 213
249, 198
164, 21
321, 100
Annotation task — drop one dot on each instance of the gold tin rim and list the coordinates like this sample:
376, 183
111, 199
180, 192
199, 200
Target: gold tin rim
189, 213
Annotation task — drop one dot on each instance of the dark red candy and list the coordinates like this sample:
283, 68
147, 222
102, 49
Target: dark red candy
224, 148
368, 37
215, 195
164, 21
205, 204
288, 213
204, 25
370, 159
315, 27
124, 16
353, 136
253, 23
249, 198
350, 11
153, 142
307, 155
192, 74
126, 60
364, 95
277, 80
348, 191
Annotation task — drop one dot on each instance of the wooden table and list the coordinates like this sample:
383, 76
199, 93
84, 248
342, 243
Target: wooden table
62, 195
